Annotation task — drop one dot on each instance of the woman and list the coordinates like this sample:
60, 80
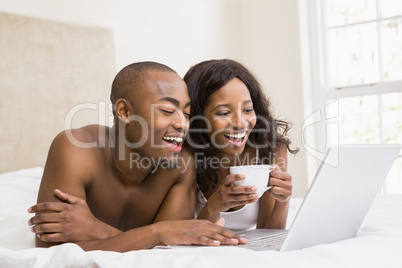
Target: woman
231, 124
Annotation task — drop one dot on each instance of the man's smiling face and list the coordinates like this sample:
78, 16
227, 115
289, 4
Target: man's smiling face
159, 114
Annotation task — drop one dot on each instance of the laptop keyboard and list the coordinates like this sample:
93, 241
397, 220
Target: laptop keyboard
272, 242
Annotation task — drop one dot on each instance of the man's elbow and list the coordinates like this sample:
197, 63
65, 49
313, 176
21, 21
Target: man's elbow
42, 244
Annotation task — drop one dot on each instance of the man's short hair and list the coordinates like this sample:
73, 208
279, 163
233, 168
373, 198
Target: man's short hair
128, 80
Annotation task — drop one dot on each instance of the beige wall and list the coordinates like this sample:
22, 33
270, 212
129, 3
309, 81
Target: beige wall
263, 34
46, 69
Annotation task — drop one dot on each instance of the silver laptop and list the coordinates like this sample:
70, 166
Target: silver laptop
336, 203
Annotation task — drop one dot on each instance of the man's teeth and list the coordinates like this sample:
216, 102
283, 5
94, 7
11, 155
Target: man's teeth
176, 139
241, 135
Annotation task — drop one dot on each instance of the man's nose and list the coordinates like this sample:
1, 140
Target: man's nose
180, 122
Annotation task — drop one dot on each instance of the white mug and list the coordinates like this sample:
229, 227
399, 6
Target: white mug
256, 175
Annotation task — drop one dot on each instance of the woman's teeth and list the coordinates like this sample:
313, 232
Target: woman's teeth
238, 136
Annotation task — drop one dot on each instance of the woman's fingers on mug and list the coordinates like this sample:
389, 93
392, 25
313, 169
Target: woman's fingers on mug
280, 183
242, 189
232, 178
243, 199
280, 194
281, 189
277, 173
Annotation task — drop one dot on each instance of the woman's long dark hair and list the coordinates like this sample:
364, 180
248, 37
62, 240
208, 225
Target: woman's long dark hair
202, 81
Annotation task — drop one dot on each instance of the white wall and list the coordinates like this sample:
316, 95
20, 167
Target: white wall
262, 34
178, 33
272, 50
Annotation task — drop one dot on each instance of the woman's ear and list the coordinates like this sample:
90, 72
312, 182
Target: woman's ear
121, 110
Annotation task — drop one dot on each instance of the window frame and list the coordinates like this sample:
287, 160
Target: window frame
322, 93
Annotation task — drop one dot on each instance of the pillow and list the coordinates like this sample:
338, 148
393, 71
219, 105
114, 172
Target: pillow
18, 192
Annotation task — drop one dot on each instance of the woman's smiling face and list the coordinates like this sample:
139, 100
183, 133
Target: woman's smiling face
231, 116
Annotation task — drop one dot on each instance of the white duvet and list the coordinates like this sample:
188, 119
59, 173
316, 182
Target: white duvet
377, 244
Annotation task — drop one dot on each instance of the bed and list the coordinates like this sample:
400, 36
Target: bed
50, 68
377, 244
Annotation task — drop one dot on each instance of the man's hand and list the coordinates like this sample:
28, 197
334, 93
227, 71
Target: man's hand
70, 221
198, 232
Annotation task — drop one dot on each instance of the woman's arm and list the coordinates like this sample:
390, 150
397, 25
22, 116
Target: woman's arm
274, 204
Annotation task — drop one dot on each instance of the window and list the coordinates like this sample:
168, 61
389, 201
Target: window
358, 57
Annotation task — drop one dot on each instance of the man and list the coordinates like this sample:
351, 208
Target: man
122, 187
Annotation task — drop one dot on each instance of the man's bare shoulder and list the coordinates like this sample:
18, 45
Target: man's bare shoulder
185, 165
77, 149
89, 136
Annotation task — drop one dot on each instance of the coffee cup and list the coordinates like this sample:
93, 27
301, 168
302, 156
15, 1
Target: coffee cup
256, 175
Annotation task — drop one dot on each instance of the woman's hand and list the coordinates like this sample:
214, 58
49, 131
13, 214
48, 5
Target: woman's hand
281, 183
69, 221
227, 195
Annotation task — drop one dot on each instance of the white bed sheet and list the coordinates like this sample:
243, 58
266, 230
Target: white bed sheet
377, 244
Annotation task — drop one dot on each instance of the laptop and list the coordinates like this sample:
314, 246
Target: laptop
337, 201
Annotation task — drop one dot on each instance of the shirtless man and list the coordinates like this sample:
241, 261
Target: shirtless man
112, 202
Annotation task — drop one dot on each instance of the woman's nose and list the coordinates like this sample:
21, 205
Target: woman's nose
239, 121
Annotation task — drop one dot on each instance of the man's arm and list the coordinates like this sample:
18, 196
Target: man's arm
69, 221
183, 232
68, 168
179, 203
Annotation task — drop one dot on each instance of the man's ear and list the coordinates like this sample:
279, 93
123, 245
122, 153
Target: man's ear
122, 111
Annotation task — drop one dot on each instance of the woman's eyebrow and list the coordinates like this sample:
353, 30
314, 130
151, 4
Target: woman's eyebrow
228, 105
